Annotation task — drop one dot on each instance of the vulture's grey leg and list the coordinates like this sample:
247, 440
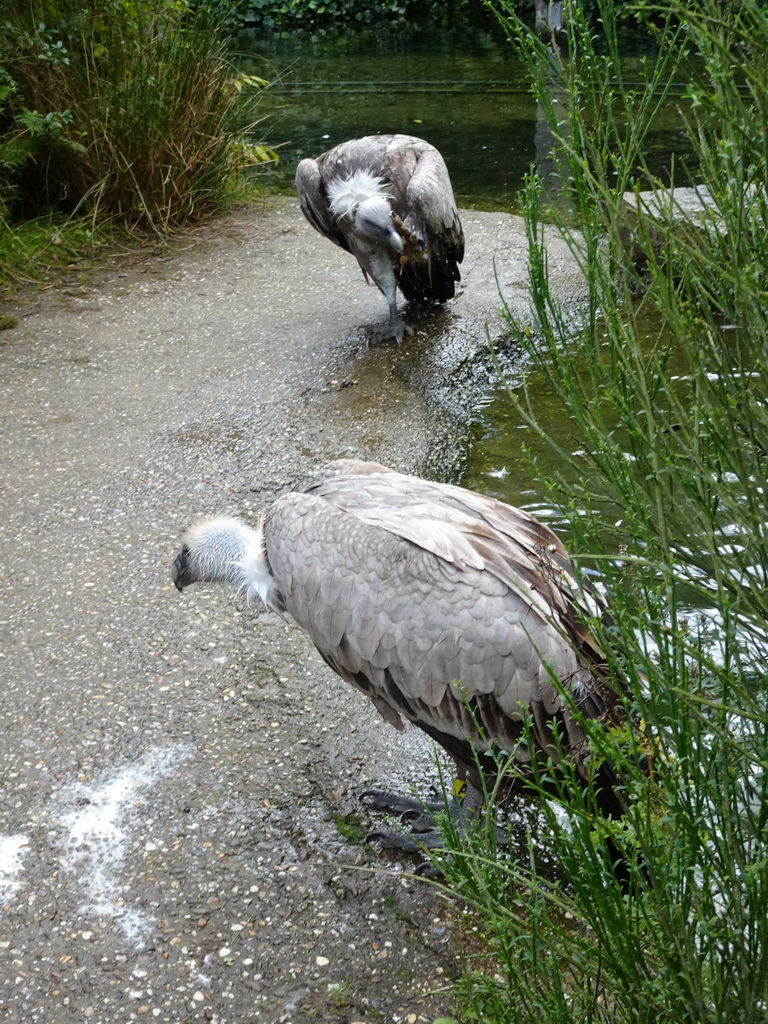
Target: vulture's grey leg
380, 269
396, 327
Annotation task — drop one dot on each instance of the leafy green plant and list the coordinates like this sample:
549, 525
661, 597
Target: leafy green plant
130, 109
663, 373
320, 15
349, 827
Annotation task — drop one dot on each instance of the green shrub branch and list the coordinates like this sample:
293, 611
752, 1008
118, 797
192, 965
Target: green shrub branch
663, 372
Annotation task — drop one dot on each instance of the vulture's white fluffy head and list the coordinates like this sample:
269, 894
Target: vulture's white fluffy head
364, 200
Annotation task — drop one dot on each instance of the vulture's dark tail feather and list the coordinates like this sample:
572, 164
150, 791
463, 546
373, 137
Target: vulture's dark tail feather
434, 281
611, 804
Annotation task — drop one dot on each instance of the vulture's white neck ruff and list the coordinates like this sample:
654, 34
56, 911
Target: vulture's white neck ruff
346, 194
225, 548
257, 581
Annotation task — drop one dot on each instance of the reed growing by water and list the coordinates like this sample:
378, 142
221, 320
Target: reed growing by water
670, 504
129, 112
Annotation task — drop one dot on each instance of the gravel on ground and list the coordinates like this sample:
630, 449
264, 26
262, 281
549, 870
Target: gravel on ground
180, 824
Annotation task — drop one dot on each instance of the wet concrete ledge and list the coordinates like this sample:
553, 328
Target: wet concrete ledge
265, 303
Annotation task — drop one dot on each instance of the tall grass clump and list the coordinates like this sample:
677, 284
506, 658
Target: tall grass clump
124, 109
667, 498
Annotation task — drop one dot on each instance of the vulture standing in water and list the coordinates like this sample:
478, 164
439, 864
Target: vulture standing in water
448, 609
388, 200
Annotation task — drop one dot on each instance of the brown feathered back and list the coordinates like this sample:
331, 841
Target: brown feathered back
449, 609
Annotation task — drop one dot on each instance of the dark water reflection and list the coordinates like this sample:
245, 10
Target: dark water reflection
462, 90
463, 93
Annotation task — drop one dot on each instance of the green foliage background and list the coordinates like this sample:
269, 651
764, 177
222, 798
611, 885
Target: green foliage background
668, 498
131, 109
311, 15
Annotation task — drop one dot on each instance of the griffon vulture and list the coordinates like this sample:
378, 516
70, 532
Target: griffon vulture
450, 610
388, 200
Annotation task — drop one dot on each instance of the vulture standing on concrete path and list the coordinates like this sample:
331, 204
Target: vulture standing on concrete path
388, 200
449, 609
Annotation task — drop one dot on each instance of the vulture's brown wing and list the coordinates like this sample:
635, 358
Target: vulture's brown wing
429, 192
425, 607
314, 202
510, 542
424, 200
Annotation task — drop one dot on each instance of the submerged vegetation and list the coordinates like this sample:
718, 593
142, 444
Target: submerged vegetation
668, 497
124, 113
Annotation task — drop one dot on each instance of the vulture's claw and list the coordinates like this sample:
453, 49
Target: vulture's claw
431, 840
397, 803
427, 869
420, 821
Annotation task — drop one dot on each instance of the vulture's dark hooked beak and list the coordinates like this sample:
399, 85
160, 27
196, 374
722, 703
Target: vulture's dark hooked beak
180, 570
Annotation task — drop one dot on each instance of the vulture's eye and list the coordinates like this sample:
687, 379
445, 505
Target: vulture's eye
374, 227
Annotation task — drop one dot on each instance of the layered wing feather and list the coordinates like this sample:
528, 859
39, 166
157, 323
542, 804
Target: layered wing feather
449, 609
313, 199
426, 204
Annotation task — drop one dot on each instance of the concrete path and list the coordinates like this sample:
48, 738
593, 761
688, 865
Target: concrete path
175, 768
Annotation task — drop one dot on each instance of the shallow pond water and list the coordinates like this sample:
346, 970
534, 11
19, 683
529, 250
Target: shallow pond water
462, 90
466, 95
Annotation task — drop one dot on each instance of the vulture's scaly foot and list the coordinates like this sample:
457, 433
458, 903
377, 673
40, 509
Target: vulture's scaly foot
419, 816
408, 842
398, 803
393, 331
